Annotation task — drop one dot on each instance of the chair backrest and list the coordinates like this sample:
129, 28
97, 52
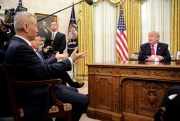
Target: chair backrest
4, 102
61, 111
8, 84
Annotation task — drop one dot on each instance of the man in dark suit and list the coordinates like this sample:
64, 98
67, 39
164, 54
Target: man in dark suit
24, 64
44, 31
4, 40
64, 75
59, 39
154, 50
170, 106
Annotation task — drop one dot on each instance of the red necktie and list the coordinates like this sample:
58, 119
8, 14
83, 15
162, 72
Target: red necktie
39, 55
152, 50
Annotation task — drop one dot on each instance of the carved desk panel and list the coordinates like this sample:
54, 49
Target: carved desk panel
130, 91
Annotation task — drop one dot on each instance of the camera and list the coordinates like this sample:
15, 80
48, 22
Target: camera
50, 51
9, 18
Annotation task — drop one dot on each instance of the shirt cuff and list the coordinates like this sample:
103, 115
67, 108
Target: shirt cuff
70, 59
156, 60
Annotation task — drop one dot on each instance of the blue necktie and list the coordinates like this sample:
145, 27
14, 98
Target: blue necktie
39, 55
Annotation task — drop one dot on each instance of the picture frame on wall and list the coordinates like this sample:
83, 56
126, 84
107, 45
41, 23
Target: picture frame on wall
48, 20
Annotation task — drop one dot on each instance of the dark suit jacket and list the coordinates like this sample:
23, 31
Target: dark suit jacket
162, 50
172, 106
59, 43
42, 33
23, 64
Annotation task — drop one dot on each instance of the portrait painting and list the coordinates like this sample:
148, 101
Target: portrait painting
45, 17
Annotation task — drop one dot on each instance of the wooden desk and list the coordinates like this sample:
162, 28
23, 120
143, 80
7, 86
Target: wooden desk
129, 91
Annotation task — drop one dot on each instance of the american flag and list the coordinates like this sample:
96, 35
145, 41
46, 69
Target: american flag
121, 38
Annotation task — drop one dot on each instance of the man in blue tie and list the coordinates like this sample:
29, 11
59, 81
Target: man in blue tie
64, 76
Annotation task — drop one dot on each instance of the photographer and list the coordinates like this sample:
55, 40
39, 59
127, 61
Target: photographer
4, 40
47, 51
7, 29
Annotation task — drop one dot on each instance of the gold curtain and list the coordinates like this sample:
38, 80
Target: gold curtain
112, 2
131, 11
132, 15
85, 40
175, 33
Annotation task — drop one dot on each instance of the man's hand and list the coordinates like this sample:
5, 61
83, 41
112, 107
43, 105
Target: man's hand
155, 58
151, 59
159, 57
61, 56
75, 56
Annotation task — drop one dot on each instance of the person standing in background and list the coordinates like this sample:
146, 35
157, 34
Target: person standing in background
44, 31
153, 50
4, 40
58, 39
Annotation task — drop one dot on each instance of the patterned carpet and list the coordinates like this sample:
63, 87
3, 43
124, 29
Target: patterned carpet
84, 89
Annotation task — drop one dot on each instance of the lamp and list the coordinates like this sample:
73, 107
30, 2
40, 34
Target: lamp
89, 2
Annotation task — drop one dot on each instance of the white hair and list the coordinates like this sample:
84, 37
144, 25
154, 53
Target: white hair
20, 18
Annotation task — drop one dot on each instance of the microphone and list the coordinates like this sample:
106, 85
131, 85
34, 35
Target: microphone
89, 2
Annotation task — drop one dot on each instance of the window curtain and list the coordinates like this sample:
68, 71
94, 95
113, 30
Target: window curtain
175, 38
112, 2
132, 13
105, 21
156, 16
95, 40
85, 40
106, 15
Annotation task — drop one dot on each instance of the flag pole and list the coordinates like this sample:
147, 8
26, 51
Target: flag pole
71, 38
73, 78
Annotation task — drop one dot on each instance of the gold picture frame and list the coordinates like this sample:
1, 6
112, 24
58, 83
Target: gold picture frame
48, 20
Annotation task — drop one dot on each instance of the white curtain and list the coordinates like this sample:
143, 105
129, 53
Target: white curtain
105, 19
156, 16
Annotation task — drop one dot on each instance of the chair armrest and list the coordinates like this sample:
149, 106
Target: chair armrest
37, 82
51, 82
